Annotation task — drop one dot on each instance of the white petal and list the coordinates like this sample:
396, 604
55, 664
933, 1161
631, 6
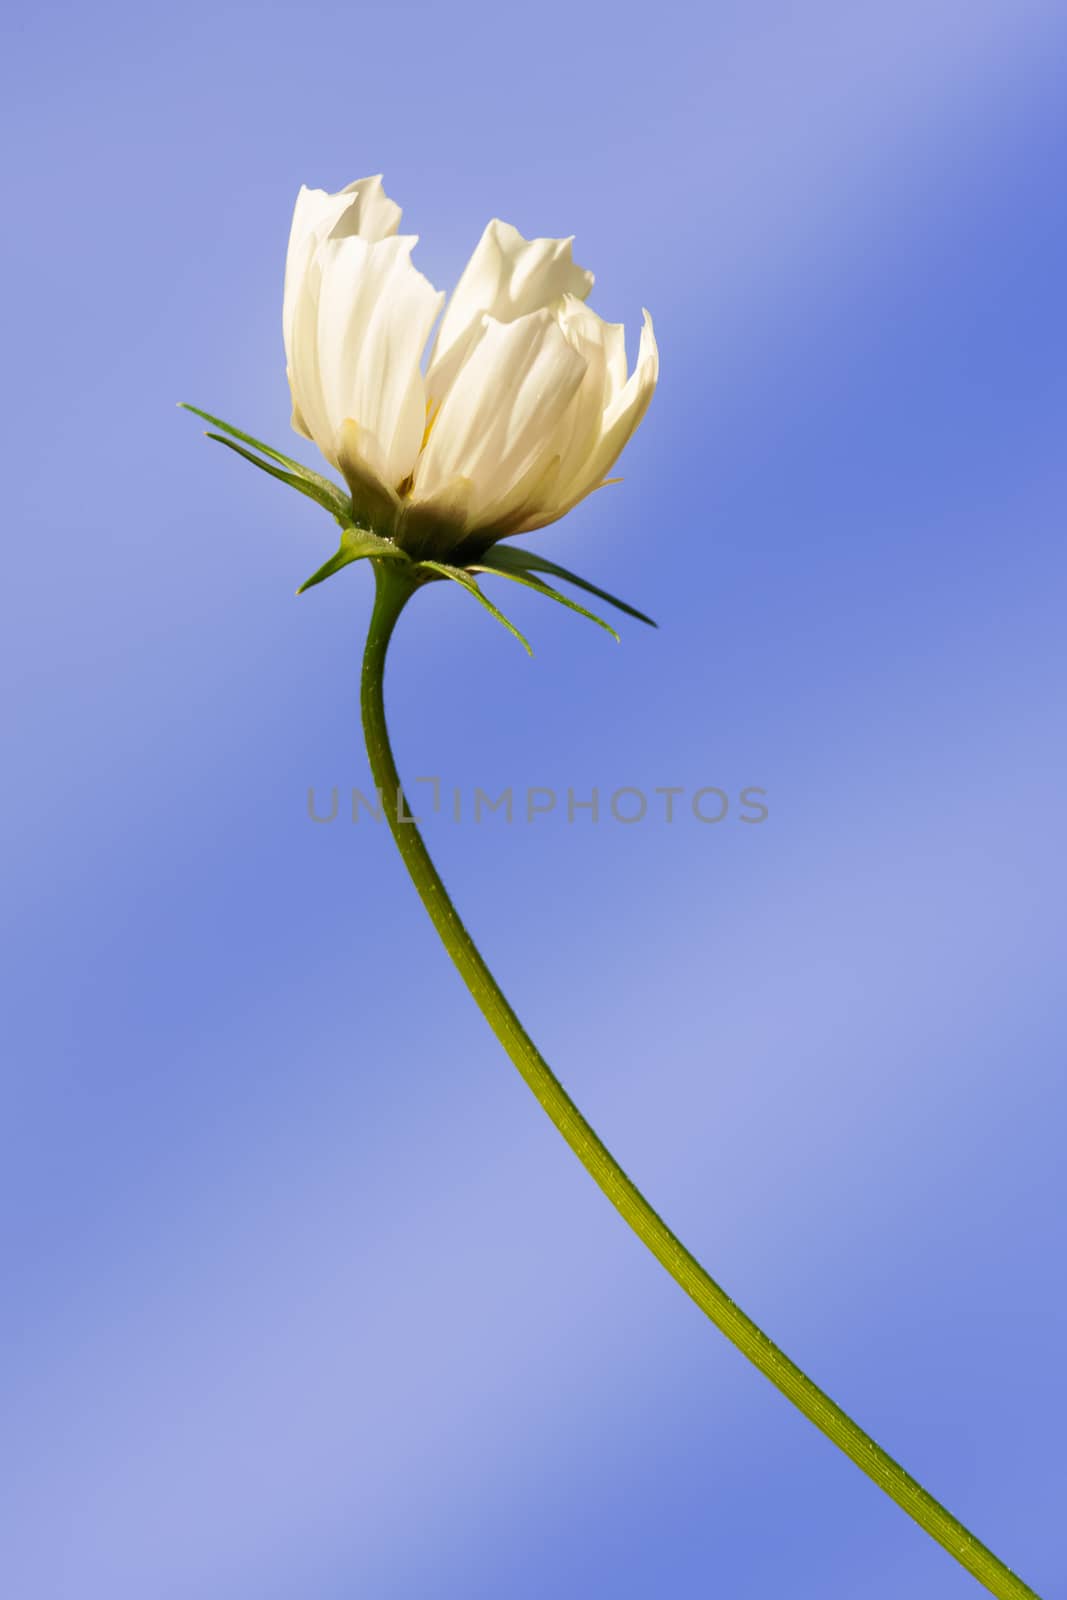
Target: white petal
620, 419
302, 365
603, 346
499, 420
434, 525
376, 504
363, 209
370, 214
530, 495
507, 277
374, 315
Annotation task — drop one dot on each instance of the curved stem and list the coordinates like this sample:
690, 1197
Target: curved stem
394, 588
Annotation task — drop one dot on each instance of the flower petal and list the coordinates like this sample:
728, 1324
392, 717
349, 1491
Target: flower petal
499, 419
375, 504
619, 421
357, 358
507, 277
370, 214
537, 488
363, 208
603, 346
435, 525
302, 363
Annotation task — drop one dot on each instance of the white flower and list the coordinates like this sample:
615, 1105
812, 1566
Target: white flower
525, 402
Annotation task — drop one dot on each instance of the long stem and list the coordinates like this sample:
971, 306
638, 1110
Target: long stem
393, 590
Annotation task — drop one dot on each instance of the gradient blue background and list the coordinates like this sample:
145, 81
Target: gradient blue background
304, 1297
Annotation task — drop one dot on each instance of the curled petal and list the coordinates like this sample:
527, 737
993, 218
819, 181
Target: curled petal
362, 209
618, 423
371, 214
603, 347
361, 325
507, 277
499, 419
375, 314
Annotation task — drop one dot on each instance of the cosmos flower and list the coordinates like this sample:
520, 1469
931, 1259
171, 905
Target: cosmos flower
519, 411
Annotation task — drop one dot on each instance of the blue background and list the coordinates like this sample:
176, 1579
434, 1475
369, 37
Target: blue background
305, 1297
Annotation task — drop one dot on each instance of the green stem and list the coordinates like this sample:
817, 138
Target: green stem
394, 587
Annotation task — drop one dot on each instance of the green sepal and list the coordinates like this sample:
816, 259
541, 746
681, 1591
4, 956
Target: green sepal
294, 473
462, 576
509, 559
528, 581
356, 545
338, 509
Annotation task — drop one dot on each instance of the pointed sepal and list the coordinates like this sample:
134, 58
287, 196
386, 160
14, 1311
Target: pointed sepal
284, 468
357, 544
464, 578
528, 581
509, 560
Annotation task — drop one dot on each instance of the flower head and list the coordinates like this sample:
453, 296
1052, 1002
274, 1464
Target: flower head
519, 410
524, 402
